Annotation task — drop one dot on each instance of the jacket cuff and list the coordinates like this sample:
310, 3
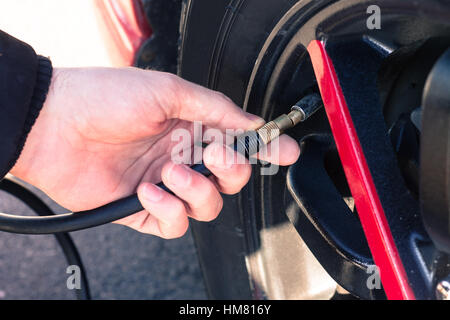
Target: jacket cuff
43, 80
41, 88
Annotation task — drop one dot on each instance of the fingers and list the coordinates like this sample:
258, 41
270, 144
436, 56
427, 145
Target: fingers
197, 196
196, 103
165, 215
231, 170
283, 151
203, 200
169, 211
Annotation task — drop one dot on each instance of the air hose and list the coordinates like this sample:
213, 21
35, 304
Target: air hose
248, 144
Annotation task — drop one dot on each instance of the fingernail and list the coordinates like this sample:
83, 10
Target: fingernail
180, 176
257, 121
152, 193
222, 157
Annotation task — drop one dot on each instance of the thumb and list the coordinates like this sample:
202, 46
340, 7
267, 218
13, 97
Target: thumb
212, 108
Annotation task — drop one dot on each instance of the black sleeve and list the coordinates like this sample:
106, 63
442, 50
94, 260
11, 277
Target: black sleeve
24, 83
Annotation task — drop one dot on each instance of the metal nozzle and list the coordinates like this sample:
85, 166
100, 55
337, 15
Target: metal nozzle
300, 112
273, 129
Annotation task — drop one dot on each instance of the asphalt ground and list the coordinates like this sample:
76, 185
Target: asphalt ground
120, 263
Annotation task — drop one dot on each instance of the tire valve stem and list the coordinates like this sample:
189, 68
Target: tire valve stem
252, 142
300, 112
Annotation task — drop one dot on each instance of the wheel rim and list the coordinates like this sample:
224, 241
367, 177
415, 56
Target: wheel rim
285, 52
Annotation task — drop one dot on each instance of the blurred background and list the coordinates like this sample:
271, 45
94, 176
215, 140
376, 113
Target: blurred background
67, 31
120, 263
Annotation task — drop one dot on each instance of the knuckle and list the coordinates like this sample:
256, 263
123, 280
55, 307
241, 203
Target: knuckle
176, 231
212, 211
178, 211
206, 197
235, 184
171, 79
172, 84
222, 96
180, 230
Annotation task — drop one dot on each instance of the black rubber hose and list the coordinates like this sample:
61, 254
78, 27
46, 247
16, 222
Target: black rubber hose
72, 221
110, 212
64, 240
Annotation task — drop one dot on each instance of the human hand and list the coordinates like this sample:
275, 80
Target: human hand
105, 133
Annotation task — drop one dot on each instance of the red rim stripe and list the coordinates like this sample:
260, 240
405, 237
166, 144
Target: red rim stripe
370, 210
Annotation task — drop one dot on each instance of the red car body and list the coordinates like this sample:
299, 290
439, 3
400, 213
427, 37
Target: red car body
124, 26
